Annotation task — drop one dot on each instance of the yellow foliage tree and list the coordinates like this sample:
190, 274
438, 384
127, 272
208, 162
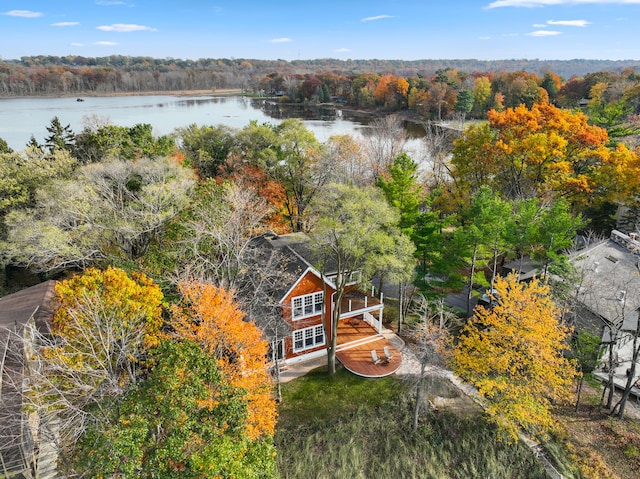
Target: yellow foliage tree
209, 316
513, 354
543, 152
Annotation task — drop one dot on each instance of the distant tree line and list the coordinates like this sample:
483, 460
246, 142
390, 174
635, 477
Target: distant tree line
430, 89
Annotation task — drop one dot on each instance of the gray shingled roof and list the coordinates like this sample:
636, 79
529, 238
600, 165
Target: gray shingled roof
611, 285
38, 301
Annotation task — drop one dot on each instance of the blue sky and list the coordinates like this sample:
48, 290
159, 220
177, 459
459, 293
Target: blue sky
290, 30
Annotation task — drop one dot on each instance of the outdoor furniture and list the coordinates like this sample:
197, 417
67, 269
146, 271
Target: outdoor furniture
387, 353
374, 357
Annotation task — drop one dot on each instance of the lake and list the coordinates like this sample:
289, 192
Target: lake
22, 117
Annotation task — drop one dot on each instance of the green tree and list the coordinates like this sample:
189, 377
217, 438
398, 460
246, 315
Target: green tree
483, 232
121, 142
464, 103
513, 354
60, 137
554, 234
585, 349
291, 155
356, 230
4, 147
112, 210
183, 421
402, 190
207, 148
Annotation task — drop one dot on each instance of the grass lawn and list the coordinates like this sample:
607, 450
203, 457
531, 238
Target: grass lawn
350, 427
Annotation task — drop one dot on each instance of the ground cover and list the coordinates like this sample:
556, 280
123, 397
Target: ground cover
350, 427
601, 446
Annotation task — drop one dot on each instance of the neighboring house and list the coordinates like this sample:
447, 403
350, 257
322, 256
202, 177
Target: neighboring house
609, 299
305, 294
25, 451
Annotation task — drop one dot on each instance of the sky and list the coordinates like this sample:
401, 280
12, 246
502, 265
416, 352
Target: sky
342, 29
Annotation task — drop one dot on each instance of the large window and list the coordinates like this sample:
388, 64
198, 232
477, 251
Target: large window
308, 338
307, 305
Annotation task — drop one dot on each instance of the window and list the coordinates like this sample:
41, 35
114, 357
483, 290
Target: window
308, 338
307, 305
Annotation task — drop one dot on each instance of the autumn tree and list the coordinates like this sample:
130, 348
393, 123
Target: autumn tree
105, 323
513, 354
291, 155
540, 152
208, 316
346, 161
356, 230
183, 421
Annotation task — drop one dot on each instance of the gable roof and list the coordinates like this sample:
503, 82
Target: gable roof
37, 301
611, 279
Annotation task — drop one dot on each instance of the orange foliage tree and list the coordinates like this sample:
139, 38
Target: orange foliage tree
542, 152
209, 316
512, 353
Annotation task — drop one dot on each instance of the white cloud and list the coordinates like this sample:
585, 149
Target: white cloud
546, 3
125, 27
76, 44
484, 38
105, 44
543, 33
377, 17
280, 40
23, 13
569, 23
65, 24
342, 50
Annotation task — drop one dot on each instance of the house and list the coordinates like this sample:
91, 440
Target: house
609, 299
26, 448
306, 295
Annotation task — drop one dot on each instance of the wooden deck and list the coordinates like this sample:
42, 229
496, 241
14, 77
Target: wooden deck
355, 342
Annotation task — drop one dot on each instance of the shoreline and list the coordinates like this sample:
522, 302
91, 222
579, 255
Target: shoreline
91, 94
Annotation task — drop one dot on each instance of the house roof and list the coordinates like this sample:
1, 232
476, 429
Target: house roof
37, 301
611, 280
281, 251
526, 267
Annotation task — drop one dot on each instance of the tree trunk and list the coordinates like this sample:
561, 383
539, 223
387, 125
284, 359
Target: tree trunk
400, 306
419, 396
579, 393
470, 285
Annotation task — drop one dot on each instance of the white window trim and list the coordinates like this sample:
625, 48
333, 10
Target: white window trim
300, 303
309, 338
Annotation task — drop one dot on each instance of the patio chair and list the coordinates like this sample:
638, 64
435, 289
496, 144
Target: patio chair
374, 357
387, 353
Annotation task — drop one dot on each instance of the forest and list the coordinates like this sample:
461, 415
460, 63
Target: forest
150, 239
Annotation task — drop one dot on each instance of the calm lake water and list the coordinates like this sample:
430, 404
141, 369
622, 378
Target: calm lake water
22, 117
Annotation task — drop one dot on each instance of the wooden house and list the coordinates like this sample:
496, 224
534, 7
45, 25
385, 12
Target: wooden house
306, 297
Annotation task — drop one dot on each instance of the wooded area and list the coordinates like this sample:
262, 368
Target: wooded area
151, 239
